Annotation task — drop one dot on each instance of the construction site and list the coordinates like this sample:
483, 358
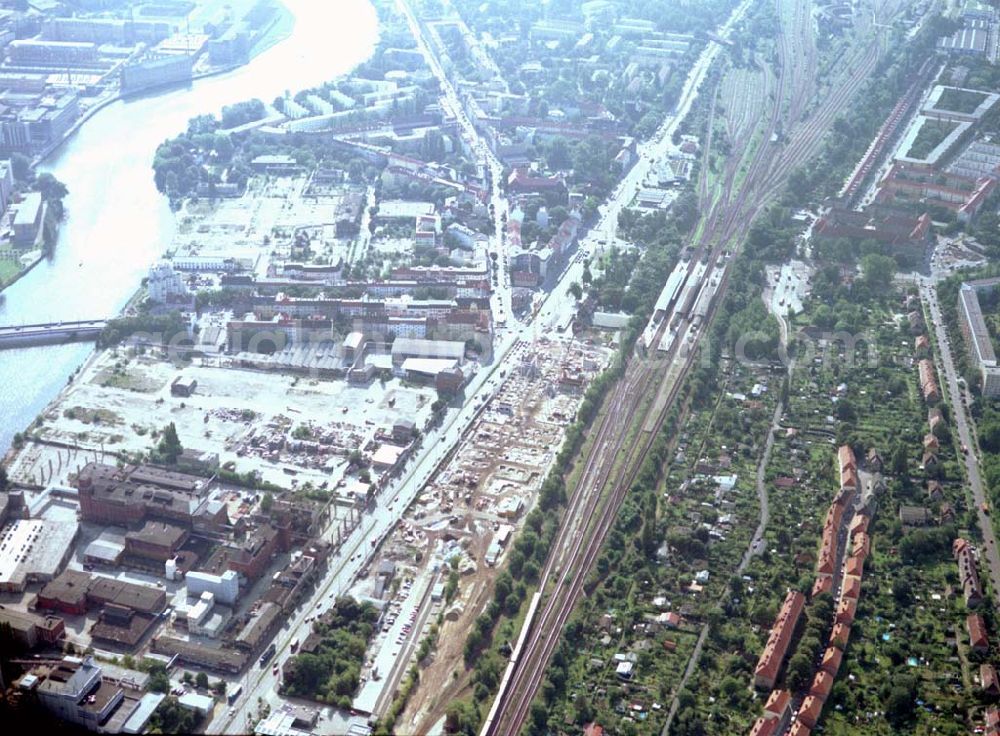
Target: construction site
286, 430
462, 522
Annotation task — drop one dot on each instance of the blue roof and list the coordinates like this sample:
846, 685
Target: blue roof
140, 716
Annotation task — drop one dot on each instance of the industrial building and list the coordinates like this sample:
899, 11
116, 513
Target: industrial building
156, 71
129, 495
30, 52
404, 348
225, 587
156, 540
75, 592
107, 549
28, 219
34, 550
77, 692
30, 629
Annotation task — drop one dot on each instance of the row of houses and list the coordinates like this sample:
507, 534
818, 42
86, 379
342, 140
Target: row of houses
771, 659
968, 573
928, 381
778, 716
811, 708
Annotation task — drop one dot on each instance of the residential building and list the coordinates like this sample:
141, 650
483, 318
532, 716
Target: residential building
988, 681
978, 640
968, 574
977, 335
771, 659
928, 382
165, 285
777, 714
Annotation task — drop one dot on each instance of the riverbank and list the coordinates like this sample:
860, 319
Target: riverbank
280, 29
117, 223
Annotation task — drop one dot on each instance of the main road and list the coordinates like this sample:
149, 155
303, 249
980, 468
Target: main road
946, 366
450, 101
356, 549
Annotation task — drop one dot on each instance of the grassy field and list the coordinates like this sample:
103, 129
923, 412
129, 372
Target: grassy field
9, 269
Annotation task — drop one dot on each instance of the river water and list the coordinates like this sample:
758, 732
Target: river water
117, 224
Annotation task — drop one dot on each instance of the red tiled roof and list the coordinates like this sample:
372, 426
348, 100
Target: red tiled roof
846, 610
824, 584
859, 524
821, 686
862, 545
849, 479
810, 711
992, 719
779, 638
988, 678
977, 631
846, 456
832, 657
777, 703
764, 727
852, 587
854, 566
840, 635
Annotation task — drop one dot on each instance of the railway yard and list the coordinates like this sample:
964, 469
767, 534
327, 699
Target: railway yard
641, 399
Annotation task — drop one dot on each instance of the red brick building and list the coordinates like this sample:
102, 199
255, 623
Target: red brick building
774, 652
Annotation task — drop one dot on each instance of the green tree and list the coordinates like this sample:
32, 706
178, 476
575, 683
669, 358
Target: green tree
900, 462
799, 672
201, 680
50, 187
877, 270
21, 167
170, 445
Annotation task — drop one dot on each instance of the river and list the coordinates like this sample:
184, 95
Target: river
117, 224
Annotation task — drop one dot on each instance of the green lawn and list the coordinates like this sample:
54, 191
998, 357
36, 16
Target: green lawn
9, 269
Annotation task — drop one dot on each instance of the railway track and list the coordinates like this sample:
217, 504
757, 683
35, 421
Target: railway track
582, 543
607, 474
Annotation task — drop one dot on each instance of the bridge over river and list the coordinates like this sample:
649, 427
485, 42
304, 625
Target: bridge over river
50, 333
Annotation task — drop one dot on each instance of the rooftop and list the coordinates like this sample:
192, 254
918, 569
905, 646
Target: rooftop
158, 533
34, 547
